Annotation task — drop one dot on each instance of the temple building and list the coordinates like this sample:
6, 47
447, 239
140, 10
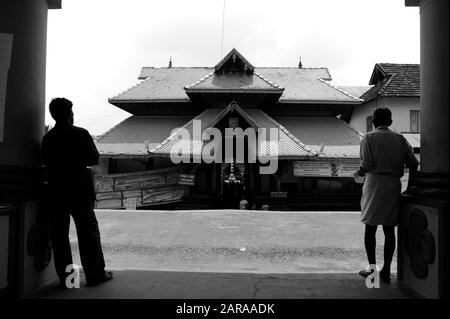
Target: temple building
316, 151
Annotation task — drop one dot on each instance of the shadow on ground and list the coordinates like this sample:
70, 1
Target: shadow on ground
142, 284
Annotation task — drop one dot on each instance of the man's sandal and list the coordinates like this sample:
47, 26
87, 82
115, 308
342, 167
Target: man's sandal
365, 273
386, 278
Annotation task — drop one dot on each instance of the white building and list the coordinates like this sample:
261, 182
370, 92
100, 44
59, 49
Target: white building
397, 87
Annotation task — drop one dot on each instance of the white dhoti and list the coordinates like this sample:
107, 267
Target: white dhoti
380, 201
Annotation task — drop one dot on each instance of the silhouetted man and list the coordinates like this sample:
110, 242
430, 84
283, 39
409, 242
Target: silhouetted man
384, 154
67, 150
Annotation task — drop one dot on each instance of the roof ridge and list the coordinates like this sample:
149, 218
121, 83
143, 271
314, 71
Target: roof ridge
270, 82
140, 81
391, 63
199, 81
385, 85
340, 90
256, 67
177, 67
350, 127
290, 67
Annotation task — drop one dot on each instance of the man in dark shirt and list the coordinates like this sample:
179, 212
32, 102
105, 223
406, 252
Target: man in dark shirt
67, 150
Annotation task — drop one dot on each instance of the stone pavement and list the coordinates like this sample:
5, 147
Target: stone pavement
233, 241
231, 254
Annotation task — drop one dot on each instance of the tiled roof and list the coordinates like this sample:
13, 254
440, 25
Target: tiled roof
396, 68
234, 83
123, 149
288, 147
300, 137
391, 79
309, 85
205, 118
163, 84
413, 139
339, 140
355, 90
300, 85
129, 136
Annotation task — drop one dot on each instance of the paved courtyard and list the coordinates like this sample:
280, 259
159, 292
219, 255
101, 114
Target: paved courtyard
231, 254
233, 241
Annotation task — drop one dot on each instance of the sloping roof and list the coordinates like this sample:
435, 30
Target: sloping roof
413, 139
123, 149
300, 85
234, 83
338, 138
195, 148
163, 84
314, 73
300, 137
355, 90
129, 136
399, 68
390, 79
288, 145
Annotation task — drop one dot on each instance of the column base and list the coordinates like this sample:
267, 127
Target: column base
27, 227
423, 236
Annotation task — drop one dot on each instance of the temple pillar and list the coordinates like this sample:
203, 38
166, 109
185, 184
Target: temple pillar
434, 74
23, 41
423, 228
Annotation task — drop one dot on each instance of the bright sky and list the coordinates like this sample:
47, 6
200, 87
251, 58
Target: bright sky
96, 48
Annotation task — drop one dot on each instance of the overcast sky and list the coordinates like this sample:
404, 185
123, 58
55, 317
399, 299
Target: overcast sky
96, 48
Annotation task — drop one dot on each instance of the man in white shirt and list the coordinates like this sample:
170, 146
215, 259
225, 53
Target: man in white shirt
384, 155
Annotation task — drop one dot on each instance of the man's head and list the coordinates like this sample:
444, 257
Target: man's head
61, 110
382, 117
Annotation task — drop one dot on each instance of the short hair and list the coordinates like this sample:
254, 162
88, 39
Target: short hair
382, 117
60, 108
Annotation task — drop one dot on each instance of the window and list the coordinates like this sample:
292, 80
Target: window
369, 124
414, 121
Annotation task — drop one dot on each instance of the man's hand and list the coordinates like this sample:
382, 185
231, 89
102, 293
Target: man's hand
358, 178
412, 175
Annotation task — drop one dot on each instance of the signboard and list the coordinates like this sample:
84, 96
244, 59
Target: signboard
325, 168
187, 179
347, 169
131, 190
6, 42
309, 168
278, 194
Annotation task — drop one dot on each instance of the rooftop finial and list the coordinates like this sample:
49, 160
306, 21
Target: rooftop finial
170, 62
300, 65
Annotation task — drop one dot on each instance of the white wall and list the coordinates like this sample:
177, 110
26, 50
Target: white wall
399, 106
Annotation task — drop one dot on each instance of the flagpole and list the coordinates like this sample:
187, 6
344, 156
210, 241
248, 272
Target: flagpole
223, 29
